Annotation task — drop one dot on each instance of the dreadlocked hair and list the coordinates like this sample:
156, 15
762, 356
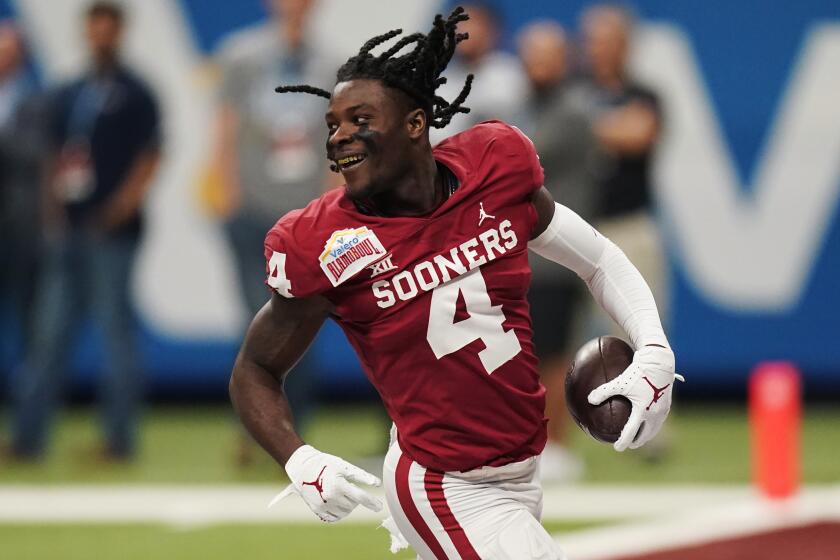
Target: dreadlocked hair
417, 73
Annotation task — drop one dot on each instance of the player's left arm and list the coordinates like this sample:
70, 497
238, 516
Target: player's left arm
562, 236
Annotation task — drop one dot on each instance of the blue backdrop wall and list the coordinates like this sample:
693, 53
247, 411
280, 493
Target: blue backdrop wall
746, 52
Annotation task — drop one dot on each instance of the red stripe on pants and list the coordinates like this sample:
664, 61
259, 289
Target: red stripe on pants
407, 503
434, 490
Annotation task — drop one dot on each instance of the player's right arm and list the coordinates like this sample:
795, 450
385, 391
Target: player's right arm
277, 338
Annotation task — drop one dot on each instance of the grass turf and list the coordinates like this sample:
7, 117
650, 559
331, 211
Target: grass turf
222, 542
706, 443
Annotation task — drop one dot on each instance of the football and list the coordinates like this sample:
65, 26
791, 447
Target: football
598, 361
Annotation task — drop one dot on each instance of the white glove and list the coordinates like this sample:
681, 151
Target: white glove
647, 383
325, 482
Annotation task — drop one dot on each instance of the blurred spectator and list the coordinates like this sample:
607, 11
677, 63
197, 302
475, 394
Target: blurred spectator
555, 120
22, 148
270, 147
556, 117
105, 138
499, 85
628, 124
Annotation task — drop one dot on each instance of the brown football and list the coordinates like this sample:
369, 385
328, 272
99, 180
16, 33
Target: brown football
598, 361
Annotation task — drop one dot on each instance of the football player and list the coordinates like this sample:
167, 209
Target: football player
422, 260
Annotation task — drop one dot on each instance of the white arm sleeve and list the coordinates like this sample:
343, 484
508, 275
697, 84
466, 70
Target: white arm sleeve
612, 279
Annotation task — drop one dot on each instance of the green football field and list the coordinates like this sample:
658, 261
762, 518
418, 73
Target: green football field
226, 542
705, 444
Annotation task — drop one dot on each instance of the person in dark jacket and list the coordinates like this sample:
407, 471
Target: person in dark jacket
105, 148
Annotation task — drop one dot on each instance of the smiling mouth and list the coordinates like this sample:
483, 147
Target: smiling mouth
349, 162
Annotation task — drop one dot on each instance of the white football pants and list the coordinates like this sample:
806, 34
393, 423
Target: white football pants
490, 513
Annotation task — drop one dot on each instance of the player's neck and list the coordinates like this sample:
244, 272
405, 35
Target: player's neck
417, 193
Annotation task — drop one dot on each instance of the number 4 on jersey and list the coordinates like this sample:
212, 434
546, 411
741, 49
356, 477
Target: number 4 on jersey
485, 322
277, 275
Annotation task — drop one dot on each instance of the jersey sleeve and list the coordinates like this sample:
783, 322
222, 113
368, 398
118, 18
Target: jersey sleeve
291, 263
529, 159
512, 156
514, 168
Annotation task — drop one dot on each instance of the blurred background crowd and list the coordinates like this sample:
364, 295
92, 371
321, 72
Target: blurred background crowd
144, 155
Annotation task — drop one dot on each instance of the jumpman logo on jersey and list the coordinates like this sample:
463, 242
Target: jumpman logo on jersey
657, 392
317, 484
482, 215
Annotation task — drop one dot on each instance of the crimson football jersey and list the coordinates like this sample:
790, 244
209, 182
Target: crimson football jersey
435, 306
